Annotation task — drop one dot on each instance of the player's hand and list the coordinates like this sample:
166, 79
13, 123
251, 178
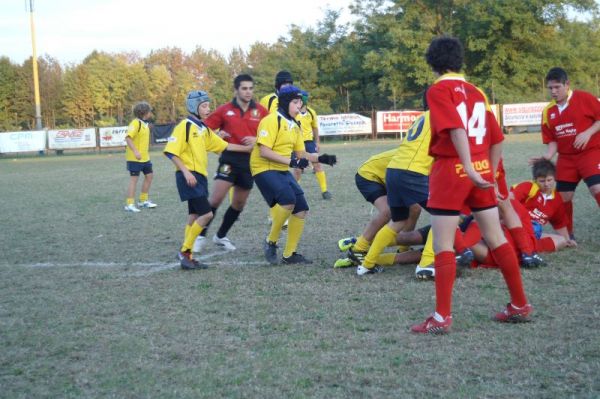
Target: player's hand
190, 179
223, 134
581, 140
138, 156
571, 244
328, 159
299, 163
478, 180
249, 140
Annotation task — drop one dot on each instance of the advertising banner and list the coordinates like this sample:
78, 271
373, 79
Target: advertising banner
396, 121
34, 140
112, 136
161, 132
343, 124
522, 114
71, 138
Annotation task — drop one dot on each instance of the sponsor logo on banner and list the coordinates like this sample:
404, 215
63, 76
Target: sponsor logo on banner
396, 121
113, 136
343, 124
23, 141
71, 138
522, 114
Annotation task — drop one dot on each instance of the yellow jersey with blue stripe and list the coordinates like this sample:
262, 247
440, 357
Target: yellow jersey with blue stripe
413, 152
281, 135
308, 122
270, 102
374, 168
191, 142
139, 132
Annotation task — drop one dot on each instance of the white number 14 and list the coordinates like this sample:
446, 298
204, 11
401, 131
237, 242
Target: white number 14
475, 126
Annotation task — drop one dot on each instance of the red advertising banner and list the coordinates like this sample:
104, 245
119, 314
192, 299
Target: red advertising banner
396, 121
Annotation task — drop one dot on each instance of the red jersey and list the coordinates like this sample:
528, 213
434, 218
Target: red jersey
541, 208
456, 104
237, 123
582, 110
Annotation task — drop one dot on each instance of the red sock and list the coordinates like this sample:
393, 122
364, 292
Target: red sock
459, 242
569, 212
597, 196
445, 273
522, 240
506, 259
546, 244
472, 235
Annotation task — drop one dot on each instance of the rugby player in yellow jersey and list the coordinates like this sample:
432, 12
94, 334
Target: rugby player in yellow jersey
138, 158
271, 101
278, 136
310, 131
407, 181
188, 148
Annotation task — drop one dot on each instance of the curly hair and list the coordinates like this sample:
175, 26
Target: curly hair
445, 54
140, 109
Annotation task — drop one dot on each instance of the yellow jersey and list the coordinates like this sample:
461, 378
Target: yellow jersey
374, 168
279, 134
308, 122
413, 152
270, 102
191, 143
139, 132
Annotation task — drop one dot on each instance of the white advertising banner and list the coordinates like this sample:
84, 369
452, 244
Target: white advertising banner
396, 121
522, 114
340, 124
71, 138
113, 136
34, 140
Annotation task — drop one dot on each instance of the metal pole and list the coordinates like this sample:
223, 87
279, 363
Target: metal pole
36, 83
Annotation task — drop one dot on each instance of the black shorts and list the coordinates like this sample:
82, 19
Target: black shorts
406, 188
280, 187
235, 168
135, 168
186, 192
369, 189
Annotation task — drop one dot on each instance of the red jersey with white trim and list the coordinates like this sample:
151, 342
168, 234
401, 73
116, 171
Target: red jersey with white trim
239, 124
582, 110
455, 103
542, 208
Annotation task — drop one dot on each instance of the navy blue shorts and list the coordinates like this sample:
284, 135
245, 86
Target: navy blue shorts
369, 189
186, 192
310, 146
135, 168
405, 188
280, 187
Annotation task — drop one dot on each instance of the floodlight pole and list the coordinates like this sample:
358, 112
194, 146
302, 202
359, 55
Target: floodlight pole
36, 83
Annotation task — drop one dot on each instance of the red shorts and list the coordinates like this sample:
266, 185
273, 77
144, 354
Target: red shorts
501, 183
450, 188
572, 168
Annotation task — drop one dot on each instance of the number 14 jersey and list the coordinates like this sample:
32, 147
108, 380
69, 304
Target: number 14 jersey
457, 104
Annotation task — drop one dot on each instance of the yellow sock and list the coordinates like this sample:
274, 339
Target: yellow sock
361, 245
279, 215
230, 195
143, 197
403, 248
295, 229
190, 236
386, 259
384, 238
322, 180
428, 256
130, 201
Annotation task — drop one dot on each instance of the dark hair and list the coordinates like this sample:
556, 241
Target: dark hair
557, 74
241, 78
140, 109
425, 105
283, 77
542, 168
445, 53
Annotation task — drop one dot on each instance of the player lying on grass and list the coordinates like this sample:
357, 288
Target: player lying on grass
188, 148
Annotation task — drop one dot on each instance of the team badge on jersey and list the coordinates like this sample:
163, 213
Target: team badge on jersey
254, 113
230, 113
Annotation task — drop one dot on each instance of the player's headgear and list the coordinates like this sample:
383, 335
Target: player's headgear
283, 77
304, 96
194, 99
286, 95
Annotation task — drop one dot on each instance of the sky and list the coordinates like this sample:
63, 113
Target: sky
69, 30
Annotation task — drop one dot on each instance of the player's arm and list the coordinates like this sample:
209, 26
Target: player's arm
133, 148
189, 177
584, 137
269, 154
239, 148
461, 144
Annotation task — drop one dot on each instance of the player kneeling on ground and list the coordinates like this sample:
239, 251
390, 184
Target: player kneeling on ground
187, 148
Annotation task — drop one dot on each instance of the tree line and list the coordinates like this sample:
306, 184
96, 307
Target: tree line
373, 63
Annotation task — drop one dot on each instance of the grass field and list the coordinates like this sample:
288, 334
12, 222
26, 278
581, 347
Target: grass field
92, 303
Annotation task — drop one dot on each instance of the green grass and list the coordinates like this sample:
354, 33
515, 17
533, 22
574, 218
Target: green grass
93, 305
